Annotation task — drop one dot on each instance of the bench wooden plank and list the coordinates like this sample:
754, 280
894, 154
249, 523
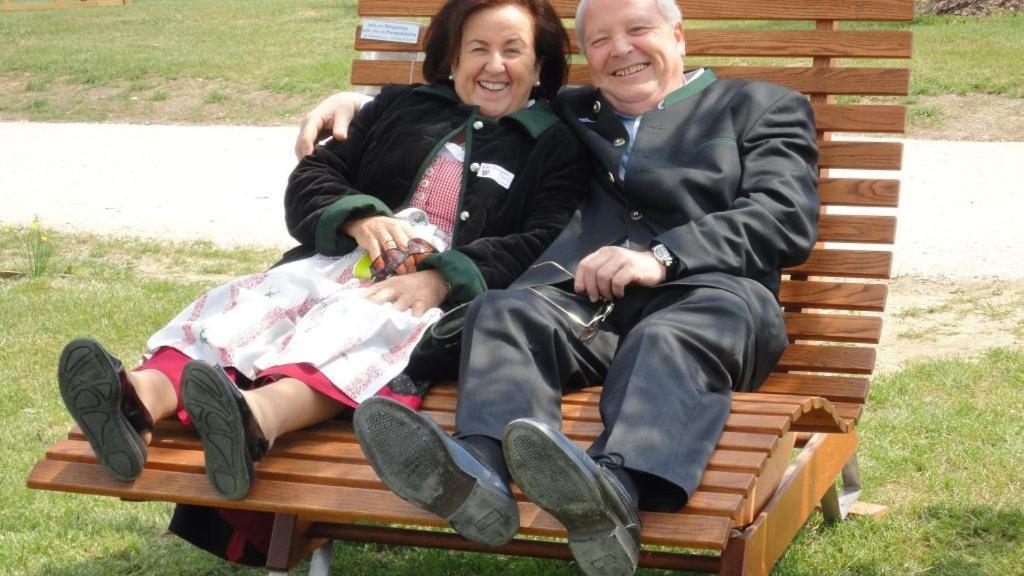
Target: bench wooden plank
339, 504
862, 81
881, 10
834, 327
737, 461
722, 481
854, 296
857, 228
834, 388
833, 359
748, 441
281, 468
863, 155
859, 192
845, 264
738, 42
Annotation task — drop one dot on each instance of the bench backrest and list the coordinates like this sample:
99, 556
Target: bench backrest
833, 302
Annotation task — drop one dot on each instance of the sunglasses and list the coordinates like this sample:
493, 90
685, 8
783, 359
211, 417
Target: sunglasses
389, 260
590, 328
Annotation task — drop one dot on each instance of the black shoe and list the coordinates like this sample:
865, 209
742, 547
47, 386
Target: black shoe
98, 395
232, 439
422, 464
601, 518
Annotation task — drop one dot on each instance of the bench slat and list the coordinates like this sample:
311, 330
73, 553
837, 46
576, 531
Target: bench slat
873, 118
285, 465
733, 42
282, 468
853, 81
738, 461
864, 155
859, 192
857, 228
337, 504
833, 388
881, 10
845, 264
832, 327
796, 294
834, 359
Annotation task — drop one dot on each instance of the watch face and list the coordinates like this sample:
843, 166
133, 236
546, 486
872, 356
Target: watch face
662, 253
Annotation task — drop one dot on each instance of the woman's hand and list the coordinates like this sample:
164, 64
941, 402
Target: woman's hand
379, 233
330, 117
419, 291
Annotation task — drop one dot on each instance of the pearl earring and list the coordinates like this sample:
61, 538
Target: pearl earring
537, 83
451, 77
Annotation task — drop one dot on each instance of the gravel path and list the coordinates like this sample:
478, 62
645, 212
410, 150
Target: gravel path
959, 200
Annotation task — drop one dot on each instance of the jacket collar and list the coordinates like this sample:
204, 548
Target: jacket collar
535, 119
692, 88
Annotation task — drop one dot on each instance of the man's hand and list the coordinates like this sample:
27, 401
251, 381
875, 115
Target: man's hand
604, 274
379, 233
419, 291
330, 117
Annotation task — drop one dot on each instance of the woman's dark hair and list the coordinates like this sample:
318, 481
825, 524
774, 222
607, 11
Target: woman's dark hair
550, 42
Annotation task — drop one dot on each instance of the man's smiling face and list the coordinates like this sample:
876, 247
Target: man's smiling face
634, 55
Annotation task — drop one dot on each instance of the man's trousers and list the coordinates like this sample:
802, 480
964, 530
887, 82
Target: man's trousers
668, 359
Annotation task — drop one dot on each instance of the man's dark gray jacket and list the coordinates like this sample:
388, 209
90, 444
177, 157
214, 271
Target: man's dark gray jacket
723, 173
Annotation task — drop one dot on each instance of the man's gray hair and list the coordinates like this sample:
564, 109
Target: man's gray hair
669, 9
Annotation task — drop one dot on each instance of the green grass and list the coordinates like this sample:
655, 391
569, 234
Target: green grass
249, 43
940, 444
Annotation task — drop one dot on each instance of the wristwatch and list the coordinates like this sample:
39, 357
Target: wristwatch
664, 256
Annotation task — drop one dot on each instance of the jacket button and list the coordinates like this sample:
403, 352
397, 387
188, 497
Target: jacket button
474, 167
611, 177
597, 106
464, 216
478, 125
636, 215
619, 142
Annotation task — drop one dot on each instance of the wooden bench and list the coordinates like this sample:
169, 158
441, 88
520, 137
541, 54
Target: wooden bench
758, 491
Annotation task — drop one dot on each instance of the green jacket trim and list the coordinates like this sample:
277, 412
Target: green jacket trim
693, 88
535, 120
330, 241
460, 272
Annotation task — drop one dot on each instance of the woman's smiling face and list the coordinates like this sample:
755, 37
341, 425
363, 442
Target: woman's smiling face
497, 67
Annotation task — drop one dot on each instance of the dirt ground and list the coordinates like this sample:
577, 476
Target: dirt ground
929, 318
974, 118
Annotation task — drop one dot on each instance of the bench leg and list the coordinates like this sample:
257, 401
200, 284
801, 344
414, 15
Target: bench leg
835, 505
320, 563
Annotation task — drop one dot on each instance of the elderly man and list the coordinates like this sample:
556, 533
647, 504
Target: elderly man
663, 288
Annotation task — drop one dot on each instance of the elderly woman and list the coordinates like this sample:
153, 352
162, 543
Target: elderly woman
475, 161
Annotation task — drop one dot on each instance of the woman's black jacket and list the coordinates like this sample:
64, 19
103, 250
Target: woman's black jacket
498, 233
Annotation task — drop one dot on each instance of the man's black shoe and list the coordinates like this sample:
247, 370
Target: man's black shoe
594, 507
423, 465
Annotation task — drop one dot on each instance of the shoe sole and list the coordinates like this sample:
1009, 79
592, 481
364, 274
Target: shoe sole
91, 391
408, 454
562, 485
218, 422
